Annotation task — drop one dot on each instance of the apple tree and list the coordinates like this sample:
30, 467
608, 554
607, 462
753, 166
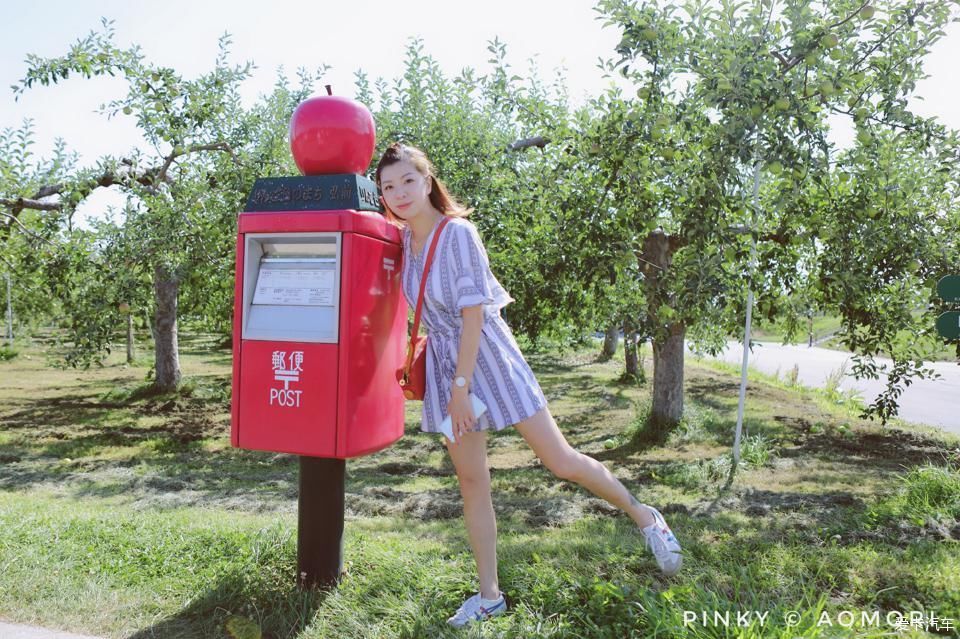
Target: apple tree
720, 164
203, 152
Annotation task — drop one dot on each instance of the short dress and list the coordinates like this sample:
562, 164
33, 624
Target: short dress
460, 276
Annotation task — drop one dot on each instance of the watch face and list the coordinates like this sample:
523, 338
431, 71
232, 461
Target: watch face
460, 381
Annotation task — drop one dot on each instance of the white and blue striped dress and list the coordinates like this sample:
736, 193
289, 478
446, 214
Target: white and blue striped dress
459, 277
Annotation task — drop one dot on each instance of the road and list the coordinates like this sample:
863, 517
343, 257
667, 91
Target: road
18, 631
931, 402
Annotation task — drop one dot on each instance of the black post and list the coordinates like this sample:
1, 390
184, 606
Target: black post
320, 522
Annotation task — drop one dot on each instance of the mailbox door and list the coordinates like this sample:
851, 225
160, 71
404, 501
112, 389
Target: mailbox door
237, 313
288, 397
373, 321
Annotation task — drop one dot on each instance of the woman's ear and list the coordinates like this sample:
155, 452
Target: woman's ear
429, 184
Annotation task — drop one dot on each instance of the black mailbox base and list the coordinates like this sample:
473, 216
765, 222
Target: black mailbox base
320, 522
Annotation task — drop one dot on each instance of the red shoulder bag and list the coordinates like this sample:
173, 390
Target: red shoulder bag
413, 376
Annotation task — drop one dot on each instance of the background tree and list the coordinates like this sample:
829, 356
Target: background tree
479, 131
205, 151
720, 92
29, 227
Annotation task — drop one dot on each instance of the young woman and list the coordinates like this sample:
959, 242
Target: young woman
471, 349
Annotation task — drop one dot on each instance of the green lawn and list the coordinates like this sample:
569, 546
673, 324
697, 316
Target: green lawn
825, 328
125, 515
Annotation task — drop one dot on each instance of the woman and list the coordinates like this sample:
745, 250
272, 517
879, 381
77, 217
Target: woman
471, 349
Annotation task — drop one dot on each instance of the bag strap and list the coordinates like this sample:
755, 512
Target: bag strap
423, 284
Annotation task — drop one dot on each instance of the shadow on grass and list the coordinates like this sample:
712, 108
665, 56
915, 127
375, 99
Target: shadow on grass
239, 602
65, 410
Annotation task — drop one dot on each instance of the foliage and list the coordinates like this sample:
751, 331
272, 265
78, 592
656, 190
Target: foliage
724, 92
930, 491
29, 237
178, 228
723, 98
515, 191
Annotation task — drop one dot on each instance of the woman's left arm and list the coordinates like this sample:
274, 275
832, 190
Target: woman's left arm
460, 411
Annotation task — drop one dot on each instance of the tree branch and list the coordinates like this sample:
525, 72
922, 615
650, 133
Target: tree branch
849, 17
789, 64
891, 123
216, 146
14, 220
46, 191
21, 203
910, 18
526, 143
148, 178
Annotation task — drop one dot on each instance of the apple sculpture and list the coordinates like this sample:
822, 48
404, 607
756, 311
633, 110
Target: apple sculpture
331, 134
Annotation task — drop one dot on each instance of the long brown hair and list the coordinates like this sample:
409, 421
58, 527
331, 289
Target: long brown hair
440, 198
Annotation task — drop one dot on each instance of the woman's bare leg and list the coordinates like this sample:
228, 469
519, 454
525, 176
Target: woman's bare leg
548, 443
470, 460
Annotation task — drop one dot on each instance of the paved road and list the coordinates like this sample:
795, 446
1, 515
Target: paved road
17, 631
932, 402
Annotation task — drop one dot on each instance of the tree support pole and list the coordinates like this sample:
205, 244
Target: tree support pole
752, 267
129, 338
9, 314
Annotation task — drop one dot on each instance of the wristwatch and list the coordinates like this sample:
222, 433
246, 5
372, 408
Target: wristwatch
460, 381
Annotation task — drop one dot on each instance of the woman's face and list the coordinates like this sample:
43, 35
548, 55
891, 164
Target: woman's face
405, 190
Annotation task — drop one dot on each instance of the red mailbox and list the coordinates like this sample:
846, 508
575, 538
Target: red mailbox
319, 325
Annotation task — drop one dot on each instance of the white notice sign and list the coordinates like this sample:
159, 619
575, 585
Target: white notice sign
294, 287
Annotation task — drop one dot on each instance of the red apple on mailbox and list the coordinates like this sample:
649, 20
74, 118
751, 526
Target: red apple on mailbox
332, 134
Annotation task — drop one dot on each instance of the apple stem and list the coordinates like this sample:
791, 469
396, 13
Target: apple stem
329, 89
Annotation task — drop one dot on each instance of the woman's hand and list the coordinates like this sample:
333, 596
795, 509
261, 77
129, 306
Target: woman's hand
461, 413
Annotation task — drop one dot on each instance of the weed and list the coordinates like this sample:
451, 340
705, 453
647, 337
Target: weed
699, 424
756, 451
924, 492
831, 384
793, 375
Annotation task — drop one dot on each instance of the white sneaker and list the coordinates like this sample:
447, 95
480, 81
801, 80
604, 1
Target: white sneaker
478, 609
662, 543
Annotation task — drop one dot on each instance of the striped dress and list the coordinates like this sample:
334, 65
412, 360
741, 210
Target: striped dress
459, 277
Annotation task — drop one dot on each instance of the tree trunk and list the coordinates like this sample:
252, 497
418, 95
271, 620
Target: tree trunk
630, 348
166, 352
668, 378
610, 341
668, 336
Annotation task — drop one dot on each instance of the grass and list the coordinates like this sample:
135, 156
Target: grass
823, 326
125, 514
826, 327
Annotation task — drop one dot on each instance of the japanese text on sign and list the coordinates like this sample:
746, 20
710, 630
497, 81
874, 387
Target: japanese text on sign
294, 287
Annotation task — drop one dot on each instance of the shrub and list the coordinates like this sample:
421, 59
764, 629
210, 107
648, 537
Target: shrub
925, 492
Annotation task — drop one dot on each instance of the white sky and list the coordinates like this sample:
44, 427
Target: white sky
363, 34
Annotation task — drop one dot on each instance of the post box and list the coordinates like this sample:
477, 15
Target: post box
320, 322
319, 325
